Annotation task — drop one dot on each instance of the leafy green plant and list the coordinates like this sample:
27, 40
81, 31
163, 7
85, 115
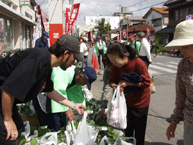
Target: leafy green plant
27, 109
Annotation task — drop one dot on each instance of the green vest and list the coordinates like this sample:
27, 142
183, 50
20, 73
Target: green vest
61, 80
136, 45
96, 48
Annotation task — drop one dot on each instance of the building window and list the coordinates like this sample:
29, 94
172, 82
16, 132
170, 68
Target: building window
7, 2
183, 13
156, 22
176, 15
6, 33
166, 20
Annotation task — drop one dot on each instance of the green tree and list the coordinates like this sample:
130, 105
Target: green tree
102, 27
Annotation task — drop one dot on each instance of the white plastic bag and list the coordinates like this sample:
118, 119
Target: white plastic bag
117, 112
70, 132
26, 133
105, 141
87, 94
119, 141
85, 134
49, 138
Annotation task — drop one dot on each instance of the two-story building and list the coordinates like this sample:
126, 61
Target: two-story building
157, 17
178, 10
17, 18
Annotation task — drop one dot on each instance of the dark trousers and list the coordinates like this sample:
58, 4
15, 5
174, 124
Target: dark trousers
86, 62
99, 57
54, 121
136, 123
145, 59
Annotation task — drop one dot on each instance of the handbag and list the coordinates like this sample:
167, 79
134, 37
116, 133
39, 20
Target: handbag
152, 85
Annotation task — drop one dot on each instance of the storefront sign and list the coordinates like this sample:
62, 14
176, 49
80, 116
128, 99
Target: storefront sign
28, 15
25, 2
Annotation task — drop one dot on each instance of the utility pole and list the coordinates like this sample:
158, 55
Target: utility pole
127, 27
120, 23
108, 31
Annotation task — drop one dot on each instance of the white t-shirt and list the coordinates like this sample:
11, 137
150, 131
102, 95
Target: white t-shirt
83, 49
145, 49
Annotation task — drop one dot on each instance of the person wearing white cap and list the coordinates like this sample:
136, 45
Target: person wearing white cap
183, 40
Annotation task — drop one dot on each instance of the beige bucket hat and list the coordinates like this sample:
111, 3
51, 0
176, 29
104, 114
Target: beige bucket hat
183, 35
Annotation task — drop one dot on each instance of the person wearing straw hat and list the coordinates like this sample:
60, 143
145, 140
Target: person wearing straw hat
183, 40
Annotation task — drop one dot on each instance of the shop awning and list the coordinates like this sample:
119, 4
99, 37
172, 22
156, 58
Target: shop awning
6, 10
166, 30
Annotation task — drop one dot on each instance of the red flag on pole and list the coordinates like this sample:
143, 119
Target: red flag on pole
91, 37
118, 40
73, 17
148, 31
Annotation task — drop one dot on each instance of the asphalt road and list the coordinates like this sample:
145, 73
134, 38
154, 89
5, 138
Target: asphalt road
162, 102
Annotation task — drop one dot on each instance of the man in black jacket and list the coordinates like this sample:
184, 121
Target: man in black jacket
25, 73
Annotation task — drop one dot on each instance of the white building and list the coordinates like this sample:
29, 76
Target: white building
16, 24
112, 20
82, 29
157, 17
131, 20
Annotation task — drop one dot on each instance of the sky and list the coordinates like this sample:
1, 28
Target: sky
106, 7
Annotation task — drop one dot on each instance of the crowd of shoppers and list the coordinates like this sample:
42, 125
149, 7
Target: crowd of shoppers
51, 70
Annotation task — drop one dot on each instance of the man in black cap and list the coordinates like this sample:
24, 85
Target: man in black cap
25, 73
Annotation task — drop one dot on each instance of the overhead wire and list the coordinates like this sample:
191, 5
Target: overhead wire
42, 2
53, 11
136, 4
147, 7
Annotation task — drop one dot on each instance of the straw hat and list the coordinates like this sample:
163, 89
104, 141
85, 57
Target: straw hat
183, 35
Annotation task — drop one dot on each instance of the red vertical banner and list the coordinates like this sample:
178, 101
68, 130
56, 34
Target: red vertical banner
91, 37
124, 34
118, 40
148, 31
67, 19
73, 17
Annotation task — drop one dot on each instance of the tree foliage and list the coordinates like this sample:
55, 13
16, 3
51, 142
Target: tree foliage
102, 27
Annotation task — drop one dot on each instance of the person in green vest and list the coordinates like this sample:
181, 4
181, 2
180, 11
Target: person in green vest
132, 42
100, 49
69, 84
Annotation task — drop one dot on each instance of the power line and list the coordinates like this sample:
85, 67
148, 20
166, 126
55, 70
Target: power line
53, 11
42, 2
147, 7
136, 4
